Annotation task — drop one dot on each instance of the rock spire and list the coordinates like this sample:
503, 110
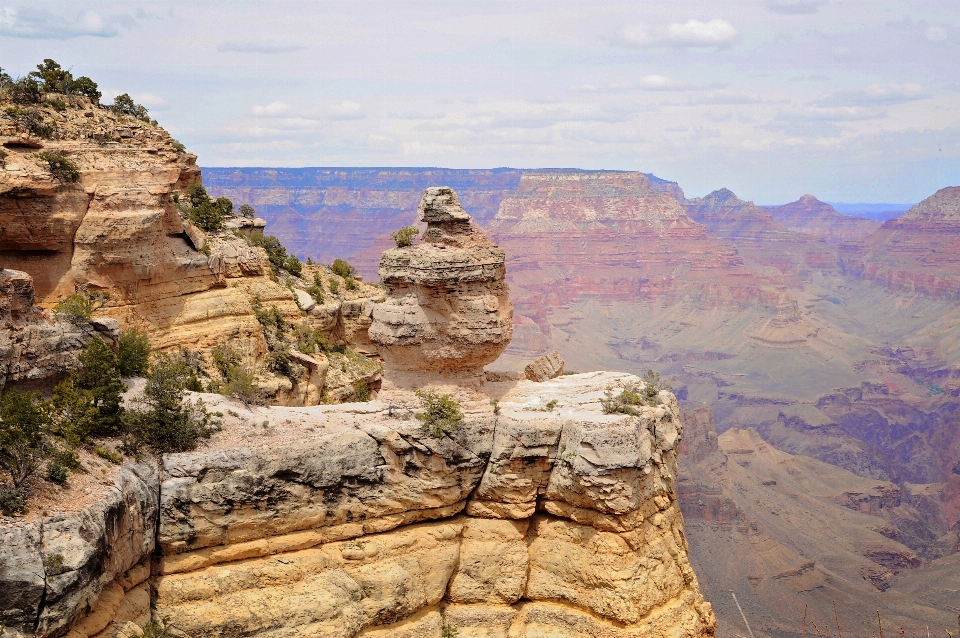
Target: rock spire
447, 307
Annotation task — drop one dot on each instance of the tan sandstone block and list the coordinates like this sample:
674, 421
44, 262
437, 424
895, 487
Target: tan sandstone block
493, 509
481, 620
493, 562
617, 576
97, 620
427, 623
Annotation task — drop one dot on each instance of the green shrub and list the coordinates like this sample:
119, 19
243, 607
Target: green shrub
99, 375
57, 105
224, 358
108, 454
242, 384
404, 237
24, 423
631, 395
309, 340
293, 266
197, 194
30, 121
316, 290
246, 210
361, 391
26, 90
225, 206
276, 253
350, 283
61, 167
75, 308
342, 268
13, 500
124, 105
133, 353
441, 413
86, 87
551, 404
207, 216
164, 420
57, 473
178, 147
334, 287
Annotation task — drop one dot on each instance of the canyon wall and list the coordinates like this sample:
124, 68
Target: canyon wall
117, 230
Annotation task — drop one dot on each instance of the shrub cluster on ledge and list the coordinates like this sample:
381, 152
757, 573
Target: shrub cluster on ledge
53, 87
632, 396
39, 437
441, 413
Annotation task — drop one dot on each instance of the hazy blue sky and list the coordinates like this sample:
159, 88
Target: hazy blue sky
851, 100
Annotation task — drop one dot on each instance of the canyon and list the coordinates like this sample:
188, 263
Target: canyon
832, 338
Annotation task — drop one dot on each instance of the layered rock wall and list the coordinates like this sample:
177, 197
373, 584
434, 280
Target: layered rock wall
523, 522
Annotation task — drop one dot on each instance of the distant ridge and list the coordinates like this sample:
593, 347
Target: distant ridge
880, 212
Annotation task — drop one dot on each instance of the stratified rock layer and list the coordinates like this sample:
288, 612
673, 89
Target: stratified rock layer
536, 521
447, 307
919, 251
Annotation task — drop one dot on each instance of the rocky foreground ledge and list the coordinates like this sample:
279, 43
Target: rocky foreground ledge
533, 518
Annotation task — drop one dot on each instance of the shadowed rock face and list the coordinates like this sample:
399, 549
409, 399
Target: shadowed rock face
447, 308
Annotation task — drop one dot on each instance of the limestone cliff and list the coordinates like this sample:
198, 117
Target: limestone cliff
117, 229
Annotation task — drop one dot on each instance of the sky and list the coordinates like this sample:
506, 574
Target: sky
849, 100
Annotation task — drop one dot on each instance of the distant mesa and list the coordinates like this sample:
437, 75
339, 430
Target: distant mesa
809, 215
916, 252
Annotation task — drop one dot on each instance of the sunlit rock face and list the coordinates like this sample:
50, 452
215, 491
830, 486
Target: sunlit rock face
919, 251
447, 307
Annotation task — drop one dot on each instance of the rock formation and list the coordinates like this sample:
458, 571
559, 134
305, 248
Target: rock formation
809, 215
539, 514
117, 230
917, 252
447, 307
36, 349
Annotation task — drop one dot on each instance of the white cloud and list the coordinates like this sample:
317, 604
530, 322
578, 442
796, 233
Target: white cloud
661, 83
875, 95
795, 7
652, 82
274, 109
346, 110
689, 34
936, 34
268, 47
26, 22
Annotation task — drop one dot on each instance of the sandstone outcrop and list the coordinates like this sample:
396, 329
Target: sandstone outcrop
447, 307
117, 229
75, 573
35, 348
549, 366
527, 521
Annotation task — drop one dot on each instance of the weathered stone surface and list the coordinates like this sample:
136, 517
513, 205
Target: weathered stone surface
549, 366
447, 308
70, 561
493, 562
